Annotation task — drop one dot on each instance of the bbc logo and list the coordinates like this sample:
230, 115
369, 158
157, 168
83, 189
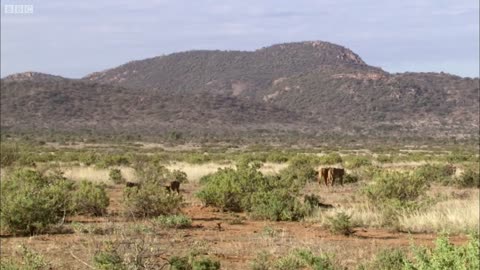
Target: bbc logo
18, 9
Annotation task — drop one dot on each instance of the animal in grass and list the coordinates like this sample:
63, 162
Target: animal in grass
132, 184
335, 173
174, 186
324, 175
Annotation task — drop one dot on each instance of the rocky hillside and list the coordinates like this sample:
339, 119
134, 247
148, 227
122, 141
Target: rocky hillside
307, 87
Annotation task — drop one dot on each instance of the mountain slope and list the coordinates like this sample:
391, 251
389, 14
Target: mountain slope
308, 87
80, 105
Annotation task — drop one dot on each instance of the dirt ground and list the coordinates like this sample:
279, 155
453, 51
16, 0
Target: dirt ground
232, 238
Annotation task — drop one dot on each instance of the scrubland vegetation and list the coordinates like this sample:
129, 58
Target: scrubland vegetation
238, 208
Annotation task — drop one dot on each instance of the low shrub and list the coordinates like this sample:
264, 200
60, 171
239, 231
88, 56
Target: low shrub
115, 175
90, 198
469, 178
304, 259
246, 189
434, 173
384, 159
341, 224
261, 262
444, 255
330, 159
29, 260
174, 221
299, 171
32, 201
150, 200
109, 258
357, 162
179, 175
350, 178
388, 259
396, 188
193, 261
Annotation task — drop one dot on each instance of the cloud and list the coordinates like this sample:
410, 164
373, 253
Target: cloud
108, 32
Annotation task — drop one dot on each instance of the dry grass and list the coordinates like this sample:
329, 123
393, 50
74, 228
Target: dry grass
94, 174
196, 171
362, 215
453, 216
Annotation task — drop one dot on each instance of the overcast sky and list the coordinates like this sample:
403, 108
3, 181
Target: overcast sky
74, 38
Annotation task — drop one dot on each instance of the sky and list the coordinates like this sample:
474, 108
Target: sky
75, 38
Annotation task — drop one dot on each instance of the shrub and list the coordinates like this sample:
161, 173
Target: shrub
350, 178
469, 178
435, 173
9, 154
388, 259
151, 200
246, 189
395, 188
341, 224
300, 171
90, 198
32, 201
447, 256
443, 256
180, 176
384, 159
193, 262
110, 160
357, 162
146, 171
174, 221
276, 205
30, 260
330, 159
109, 258
303, 258
115, 175
261, 262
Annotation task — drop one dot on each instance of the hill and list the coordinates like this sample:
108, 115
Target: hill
314, 88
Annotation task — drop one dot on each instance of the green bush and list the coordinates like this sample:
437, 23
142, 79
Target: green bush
350, 178
9, 154
299, 171
180, 176
246, 189
151, 172
261, 262
150, 200
109, 258
276, 205
444, 256
174, 221
303, 259
384, 159
90, 198
32, 201
109, 160
436, 173
341, 224
29, 260
330, 159
357, 162
115, 175
193, 262
469, 178
397, 188
388, 259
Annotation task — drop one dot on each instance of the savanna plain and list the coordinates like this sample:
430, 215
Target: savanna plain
75, 205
